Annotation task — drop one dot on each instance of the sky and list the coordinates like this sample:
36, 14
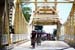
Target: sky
63, 13
49, 28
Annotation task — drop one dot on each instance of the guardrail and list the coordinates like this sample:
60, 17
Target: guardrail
13, 37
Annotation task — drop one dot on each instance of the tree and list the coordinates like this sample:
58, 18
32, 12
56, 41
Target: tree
26, 12
55, 32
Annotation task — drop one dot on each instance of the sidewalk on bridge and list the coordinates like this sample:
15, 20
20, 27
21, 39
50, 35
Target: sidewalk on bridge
45, 45
11, 46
